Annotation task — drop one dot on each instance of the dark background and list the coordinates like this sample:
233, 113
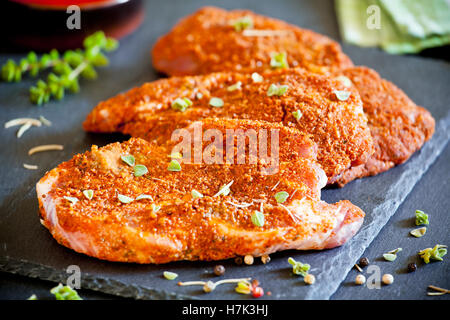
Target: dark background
431, 193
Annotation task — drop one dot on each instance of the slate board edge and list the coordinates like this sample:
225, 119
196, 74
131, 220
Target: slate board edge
416, 168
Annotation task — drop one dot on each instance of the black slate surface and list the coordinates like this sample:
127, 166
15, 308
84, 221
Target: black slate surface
27, 248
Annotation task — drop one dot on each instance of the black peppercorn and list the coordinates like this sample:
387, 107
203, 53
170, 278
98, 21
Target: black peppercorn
238, 260
412, 267
219, 270
363, 262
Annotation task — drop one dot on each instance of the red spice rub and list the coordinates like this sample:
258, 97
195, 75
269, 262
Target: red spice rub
206, 41
398, 126
338, 127
174, 225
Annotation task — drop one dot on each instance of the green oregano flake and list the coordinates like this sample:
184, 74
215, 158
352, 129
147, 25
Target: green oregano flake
435, 253
155, 208
342, 94
174, 165
418, 232
234, 87
140, 170
345, 81
281, 196
72, 200
181, 104
392, 255
170, 275
195, 194
279, 60
421, 218
216, 102
243, 23
258, 218
62, 292
275, 90
128, 159
143, 196
256, 77
88, 194
299, 268
297, 114
124, 199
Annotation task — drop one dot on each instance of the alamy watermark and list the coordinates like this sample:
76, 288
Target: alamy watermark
236, 146
74, 20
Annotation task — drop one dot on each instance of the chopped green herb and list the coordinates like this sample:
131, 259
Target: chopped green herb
174, 165
128, 159
155, 208
242, 23
342, 94
395, 251
275, 90
436, 253
140, 170
144, 196
243, 287
73, 200
421, 218
345, 81
256, 77
65, 293
418, 232
216, 102
279, 60
258, 218
124, 199
225, 189
176, 155
88, 194
299, 268
170, 275
297, 114
389, 256
195, 194
32, 297
281, 196
181, 104
234, 87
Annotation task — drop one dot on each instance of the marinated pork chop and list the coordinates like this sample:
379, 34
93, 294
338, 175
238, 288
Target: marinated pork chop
398, 126
338, 127
213, 39
202, 212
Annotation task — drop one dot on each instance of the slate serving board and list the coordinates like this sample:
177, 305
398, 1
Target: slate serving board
27, 248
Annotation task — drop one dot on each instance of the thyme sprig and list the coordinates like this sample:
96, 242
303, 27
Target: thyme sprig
65, 69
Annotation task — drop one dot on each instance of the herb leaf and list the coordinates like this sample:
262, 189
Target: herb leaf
436, 253
216, 102
421, 218
297, 114
242, 23
143, 196
279, 60
140, 170
181, 104
124, 199
281, 196
65, 293
195, 194
342, 94
275, 90
174, 165
88, 194
258, 218
128, 159
299, 268
170, 275
256, 77
418, 232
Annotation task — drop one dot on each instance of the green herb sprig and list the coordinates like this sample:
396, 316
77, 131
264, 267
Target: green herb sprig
299, 268
65, 69
62, 292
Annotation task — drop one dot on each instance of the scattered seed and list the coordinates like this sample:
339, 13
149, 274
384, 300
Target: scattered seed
170, 275
265, 259
360, 279
387, 278
363, 262
309, 279
219, 270
412, 267
248, 259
